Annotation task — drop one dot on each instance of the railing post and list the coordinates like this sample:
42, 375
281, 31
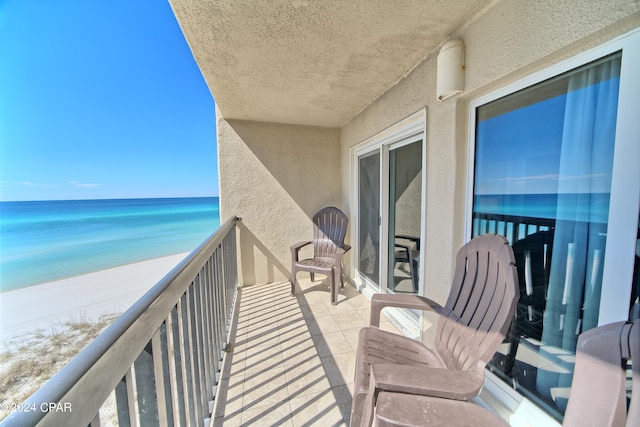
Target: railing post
146, 388
187, 366
196, 316
208, 339
220, 302
161, 374
175, 372
124, 401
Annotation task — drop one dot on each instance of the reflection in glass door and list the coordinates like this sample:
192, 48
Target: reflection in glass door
369, 217
547, 189
405, 199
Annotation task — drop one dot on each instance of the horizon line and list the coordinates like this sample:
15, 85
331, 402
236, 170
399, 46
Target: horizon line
112, 198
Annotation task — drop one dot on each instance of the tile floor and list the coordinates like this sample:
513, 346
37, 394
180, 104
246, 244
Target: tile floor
292, 360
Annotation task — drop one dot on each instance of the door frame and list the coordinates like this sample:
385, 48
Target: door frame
408, 130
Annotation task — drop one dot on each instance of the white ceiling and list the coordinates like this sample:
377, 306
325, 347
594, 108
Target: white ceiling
312, 62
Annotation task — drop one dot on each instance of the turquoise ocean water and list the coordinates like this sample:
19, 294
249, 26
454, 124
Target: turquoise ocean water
571, 208
593, 207
49, 240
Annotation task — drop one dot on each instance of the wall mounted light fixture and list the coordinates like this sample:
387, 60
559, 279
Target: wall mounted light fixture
450, 80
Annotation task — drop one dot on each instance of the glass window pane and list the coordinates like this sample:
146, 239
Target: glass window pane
544, 159
405, 199
369, 216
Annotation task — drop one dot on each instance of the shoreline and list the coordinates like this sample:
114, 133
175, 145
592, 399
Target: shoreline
85, 297
86, 273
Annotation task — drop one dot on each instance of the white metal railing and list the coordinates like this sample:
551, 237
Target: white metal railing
162, 357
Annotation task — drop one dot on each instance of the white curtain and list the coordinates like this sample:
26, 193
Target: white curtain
575, 281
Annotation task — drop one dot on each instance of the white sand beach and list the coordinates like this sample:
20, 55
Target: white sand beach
84, 297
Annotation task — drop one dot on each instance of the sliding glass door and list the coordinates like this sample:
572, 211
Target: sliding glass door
389, 184
404, 219
369, 217
545, 177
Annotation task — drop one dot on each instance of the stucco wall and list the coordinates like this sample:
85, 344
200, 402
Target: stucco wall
275, 177
511, 40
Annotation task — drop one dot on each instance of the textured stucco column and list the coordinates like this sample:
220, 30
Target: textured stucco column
275, 177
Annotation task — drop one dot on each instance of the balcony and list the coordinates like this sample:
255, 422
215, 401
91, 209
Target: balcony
198, 349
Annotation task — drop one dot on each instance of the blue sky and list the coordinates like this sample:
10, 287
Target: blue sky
521, 151
515, 155
101, 100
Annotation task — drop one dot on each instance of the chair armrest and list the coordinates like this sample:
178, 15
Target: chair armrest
437, 382
405, 249
340, 253
415, 302
405, 237
296, 248
413, 239
403, 246
345, 248
301, 244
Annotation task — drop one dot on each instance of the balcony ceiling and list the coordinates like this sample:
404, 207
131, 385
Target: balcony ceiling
313, 62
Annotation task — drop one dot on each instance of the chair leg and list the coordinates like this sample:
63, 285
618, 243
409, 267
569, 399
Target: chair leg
334, 287
293, 282
356, 412
414, 275
370, 403
513, 337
